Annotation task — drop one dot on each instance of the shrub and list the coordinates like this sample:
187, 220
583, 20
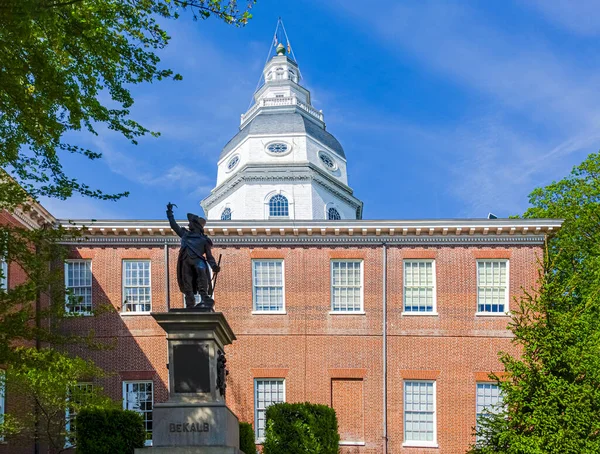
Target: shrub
247, 444
301, 428
100, 431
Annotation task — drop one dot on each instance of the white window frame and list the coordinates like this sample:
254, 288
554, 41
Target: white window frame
434, 311
255, 311
419, 443
256, 409
148, 442
66, 267
506, 293
476, 404
4, 279
68, 412
123, 311
361, 311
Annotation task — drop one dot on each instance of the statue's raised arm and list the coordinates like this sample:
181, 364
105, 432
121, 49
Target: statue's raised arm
176, 228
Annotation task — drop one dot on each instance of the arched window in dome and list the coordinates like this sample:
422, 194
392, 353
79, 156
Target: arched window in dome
292, 76
279, 74
278, 206
226, 214
333, 214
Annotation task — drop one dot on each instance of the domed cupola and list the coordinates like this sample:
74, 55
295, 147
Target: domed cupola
283, 163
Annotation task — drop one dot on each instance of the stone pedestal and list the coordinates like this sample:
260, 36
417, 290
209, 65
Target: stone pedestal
195, 419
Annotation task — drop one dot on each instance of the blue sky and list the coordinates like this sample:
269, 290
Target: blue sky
445, 109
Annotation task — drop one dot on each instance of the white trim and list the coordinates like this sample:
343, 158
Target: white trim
434, 281
362, 286
283, 309
4, 279
419, 314
123, 386
123, 311
506, 293
347, 313
65, 268
417, 443
257, 440
268, 198
352, 443
284, 312
227, 169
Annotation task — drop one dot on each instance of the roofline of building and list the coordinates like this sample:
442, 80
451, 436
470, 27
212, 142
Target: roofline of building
418, 228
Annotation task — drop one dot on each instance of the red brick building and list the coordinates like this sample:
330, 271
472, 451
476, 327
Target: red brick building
366, 316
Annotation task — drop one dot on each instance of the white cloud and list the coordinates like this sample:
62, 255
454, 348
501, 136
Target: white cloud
579, 17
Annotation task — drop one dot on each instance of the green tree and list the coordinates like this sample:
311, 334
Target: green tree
53, 380
552, 394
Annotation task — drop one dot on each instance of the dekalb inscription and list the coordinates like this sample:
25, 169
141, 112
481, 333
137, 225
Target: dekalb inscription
189, 427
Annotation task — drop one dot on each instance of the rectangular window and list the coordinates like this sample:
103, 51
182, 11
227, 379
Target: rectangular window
139, 396
78, 279
267, 288
492, 286
346, 286
78, 395
419, 413
266, 392
3, 274
2, 397
136, 286
489, 400
419, 286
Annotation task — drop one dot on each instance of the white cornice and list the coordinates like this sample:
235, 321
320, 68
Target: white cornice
347, 232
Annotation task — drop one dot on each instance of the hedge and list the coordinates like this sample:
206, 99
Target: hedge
116, 431
247, 444
301, 428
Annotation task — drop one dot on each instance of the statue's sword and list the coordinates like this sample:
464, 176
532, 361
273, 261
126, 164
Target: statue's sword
216, 275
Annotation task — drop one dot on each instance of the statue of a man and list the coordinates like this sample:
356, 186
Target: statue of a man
194, 258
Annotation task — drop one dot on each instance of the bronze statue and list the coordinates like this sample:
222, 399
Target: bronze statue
194, 258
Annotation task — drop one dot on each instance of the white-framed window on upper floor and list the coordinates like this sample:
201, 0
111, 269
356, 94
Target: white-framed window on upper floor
420, 413
267, 391
76, 396
78, 281
419, 287
488, 402
492, 287
3, 274
268, 287
347, 286
137, 290
279, 74
139, 396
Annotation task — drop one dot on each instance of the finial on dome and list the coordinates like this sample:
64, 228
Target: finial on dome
280, 49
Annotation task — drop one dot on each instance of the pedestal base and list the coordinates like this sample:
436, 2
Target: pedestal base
190, 450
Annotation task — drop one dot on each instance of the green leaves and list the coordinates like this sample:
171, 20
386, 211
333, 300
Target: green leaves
552, 393
64, 62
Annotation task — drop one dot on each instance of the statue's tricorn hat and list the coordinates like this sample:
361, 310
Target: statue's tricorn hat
197, 219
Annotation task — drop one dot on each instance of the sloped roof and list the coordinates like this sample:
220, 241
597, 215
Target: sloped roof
284, 123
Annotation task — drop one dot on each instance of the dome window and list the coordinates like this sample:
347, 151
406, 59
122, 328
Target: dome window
327, 161
233, 162
226, 214
278, 148
278, 207
333, 214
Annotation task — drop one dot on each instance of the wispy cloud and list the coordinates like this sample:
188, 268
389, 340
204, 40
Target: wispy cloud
579, 17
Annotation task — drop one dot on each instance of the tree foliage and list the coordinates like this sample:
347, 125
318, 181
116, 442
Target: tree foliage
109, 431
67, 65
552, 394
51, 380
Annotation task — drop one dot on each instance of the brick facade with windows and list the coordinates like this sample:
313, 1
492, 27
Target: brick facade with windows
310, 351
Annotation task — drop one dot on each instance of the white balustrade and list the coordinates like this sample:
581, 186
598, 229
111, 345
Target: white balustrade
281, 101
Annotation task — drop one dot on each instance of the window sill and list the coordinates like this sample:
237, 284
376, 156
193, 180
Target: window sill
130, 313
269, 312
352, 443
419, 314
347, 313
492, 314
419, 444
79, 314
